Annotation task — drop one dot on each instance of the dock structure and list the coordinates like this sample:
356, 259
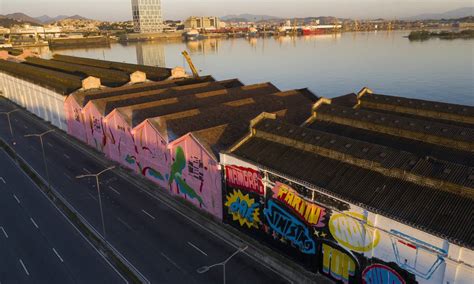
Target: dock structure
361, 188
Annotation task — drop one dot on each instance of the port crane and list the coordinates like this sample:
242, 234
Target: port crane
191, 64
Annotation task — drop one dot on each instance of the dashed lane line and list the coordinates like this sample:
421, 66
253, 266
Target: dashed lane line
4, 232
16, 198
172, 262
24, 267
196, 248
114, 190
148, 214
57, 254
34, 223
3, 180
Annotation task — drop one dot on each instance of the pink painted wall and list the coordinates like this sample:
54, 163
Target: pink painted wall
94, 125
153, 154
195, 175
120, 145
75, 119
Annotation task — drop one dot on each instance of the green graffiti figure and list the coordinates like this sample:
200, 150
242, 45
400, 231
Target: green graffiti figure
176, 176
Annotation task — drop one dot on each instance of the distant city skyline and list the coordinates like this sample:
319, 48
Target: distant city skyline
115, 10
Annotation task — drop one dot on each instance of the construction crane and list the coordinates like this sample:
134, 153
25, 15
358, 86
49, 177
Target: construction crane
191, 64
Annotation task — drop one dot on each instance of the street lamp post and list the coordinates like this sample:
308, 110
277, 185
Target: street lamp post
42, 149
7, 113
205, 269
98, 193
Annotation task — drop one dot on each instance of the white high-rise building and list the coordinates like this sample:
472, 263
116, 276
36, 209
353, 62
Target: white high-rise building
147, 16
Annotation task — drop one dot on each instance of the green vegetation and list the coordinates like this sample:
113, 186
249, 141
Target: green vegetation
59, 82
425, 35
152, 73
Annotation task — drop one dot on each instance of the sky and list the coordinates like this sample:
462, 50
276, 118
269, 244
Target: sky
113, 10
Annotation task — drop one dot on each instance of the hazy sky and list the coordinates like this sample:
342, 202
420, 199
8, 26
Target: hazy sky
179, 9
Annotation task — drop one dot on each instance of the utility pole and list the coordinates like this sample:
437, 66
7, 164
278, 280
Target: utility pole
42, 149
98, 193
8, 113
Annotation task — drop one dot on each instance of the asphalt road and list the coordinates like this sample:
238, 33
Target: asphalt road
37, 243
165, 246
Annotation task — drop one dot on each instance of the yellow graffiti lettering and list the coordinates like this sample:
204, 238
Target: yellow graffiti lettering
243, 209
352, 233
337, 264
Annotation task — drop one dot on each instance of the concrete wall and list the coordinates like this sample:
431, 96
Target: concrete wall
94, 126
120, 145
75, 119
340, 240
195, 175
43, 102
153, 154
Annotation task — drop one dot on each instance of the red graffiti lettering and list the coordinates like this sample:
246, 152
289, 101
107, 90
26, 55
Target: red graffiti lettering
244, 178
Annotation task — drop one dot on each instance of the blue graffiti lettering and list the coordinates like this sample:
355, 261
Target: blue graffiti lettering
289, 227
381, 274
242, 207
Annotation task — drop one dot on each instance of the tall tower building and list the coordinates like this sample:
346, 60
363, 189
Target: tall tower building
147, 16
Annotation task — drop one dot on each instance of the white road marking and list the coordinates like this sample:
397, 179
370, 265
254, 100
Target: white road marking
92, 196
125, 224
34, 223
25, 126
57, 254
148, 214
68, 177
86, 170
66, 156
3, 180
17, 200
4, 232
114, 190
198, 249
49, 144
171, 261
24, 267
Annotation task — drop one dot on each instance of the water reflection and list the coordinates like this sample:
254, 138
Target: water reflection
151, 54
330, 65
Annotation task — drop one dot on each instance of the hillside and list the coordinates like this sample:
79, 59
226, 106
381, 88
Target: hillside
248, 18
453, 14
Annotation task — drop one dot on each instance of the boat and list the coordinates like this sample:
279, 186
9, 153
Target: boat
253, 32
319, 29
192, 35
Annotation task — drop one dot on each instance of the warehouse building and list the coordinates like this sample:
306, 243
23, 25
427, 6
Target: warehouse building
356, 198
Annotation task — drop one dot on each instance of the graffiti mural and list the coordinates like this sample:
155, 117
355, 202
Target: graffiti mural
409, 250
338, 263
132, 160
288, 227
310, 212
176, 176
381, 274
309, 194
349, 231
244, 178
243, 209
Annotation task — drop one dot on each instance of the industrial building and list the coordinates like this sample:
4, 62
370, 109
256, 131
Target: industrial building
371, 189
147, 16
202, 23
362, 188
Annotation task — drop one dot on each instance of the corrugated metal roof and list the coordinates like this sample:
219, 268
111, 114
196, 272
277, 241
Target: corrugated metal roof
152, 73
59, 82
84, 97
438, 107
424, 126
188, 99
419, 206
